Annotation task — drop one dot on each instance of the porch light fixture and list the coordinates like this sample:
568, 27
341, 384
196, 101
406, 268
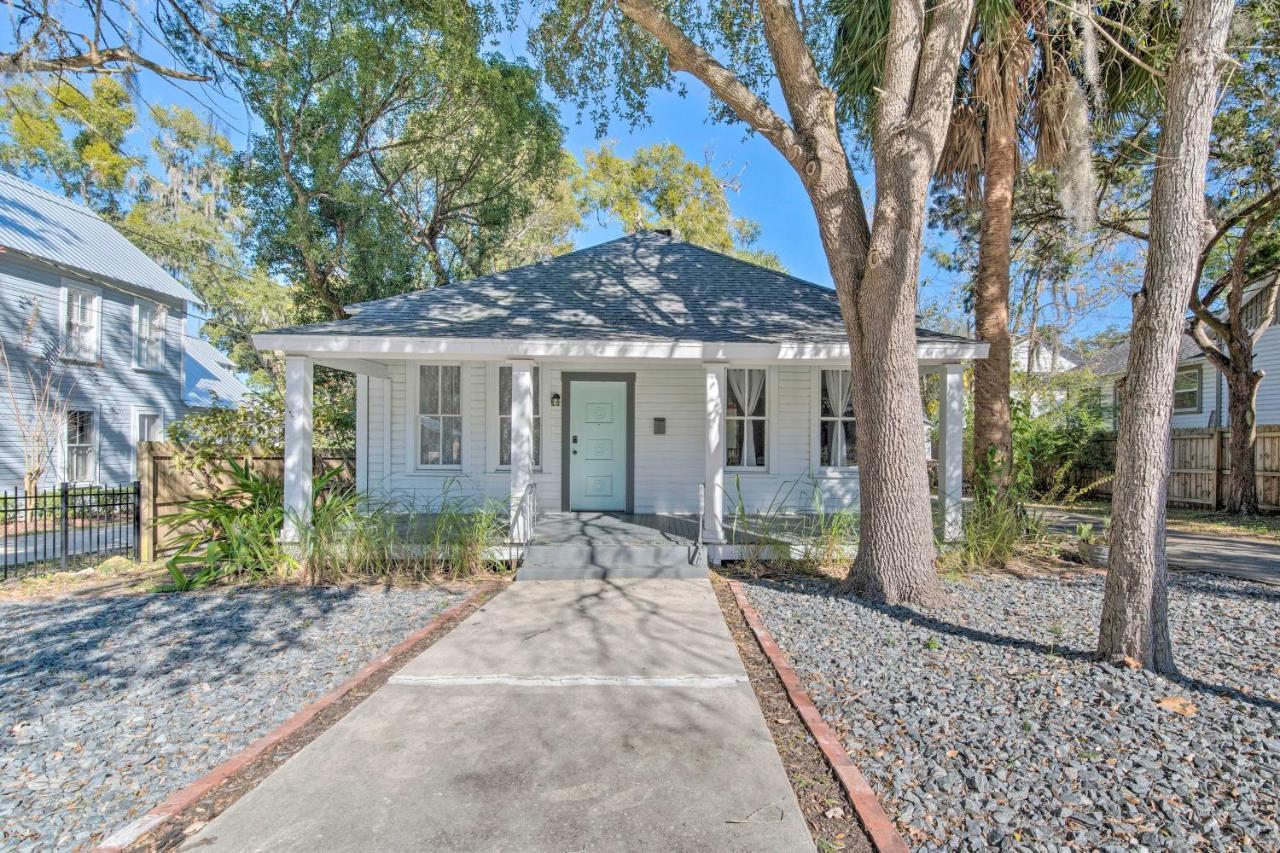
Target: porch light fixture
555, 401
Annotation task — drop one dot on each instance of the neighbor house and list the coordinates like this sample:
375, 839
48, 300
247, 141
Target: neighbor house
1200, 390
1042, 363
643, 375
92, 330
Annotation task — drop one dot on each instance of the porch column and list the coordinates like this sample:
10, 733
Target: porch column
521, 439
951, 451
713, 521
297, 447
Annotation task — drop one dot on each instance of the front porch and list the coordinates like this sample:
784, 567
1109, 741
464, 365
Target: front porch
677, 457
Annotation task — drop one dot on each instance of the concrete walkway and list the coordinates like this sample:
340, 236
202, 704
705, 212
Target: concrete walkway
1225, 554
562, 716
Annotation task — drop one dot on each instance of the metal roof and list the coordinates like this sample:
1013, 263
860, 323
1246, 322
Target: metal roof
646, 286
49, 227
209, 378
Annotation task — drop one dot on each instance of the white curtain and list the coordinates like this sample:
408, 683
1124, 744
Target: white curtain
839, 391
747, 386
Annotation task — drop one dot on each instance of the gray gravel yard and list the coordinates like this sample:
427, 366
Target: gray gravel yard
986, 723
110, 704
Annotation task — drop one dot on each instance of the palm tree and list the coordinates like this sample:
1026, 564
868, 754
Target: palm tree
1032, 69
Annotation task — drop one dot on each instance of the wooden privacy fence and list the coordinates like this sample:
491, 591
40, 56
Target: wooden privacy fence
166, 486
1200, 462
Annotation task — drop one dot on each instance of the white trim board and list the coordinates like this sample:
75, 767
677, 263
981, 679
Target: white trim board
482, 349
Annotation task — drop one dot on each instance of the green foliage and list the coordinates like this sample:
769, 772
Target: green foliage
658, 187
232, 535
185, 220
392, 155
1088, 534
995, 525
1055, 451
57, 130
357, 537
202, 437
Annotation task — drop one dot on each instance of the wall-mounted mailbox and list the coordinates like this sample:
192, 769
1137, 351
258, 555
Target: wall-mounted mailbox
659, 426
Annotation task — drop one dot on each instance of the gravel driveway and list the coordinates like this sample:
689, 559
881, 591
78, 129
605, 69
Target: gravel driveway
110, 704
986, 723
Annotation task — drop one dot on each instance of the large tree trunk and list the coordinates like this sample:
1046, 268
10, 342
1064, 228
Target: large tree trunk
896, 547
1135, 608
992, 439
876, 275
1242, 392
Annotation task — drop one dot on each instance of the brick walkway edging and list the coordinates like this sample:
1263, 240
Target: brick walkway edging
871, 814
178, 802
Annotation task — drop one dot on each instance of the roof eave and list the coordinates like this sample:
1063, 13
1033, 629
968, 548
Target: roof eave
401, 348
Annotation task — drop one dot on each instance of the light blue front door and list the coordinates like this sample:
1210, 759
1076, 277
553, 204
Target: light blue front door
598, 445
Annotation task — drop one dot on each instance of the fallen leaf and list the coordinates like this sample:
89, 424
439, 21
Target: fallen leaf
1179, 705
834, 813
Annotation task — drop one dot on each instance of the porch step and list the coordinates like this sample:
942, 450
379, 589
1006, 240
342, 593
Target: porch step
546, 561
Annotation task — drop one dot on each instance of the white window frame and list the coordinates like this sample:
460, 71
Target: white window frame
95, 444
493, 431
413, 445
815, 427
1198, 371
157, 309
135, 434
64, 317
770, 415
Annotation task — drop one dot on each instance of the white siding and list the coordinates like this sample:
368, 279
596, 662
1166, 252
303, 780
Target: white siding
668, 468
111, 387
1267, 359
1212, 390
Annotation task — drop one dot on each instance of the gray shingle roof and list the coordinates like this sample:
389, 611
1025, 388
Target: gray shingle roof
1114, 361
643, 287
47, 226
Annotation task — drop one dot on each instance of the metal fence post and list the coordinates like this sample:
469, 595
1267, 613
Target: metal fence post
137, 519
63, 502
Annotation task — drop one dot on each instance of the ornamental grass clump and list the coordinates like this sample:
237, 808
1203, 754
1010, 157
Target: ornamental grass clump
233, 536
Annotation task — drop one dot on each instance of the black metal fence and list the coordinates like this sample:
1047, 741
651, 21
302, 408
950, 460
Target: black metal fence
50, 529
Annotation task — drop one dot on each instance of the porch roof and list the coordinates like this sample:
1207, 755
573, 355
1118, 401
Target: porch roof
643, 288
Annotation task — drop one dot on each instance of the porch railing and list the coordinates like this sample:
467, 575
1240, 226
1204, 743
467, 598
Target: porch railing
524, 517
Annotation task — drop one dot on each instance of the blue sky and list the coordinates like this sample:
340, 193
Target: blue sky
770, 192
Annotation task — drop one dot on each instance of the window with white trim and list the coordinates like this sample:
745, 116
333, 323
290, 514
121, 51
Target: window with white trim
1186, 389
148, 425
81, 449
82, 316
837, 430
746, 425
439, 415
150, 329
504, 416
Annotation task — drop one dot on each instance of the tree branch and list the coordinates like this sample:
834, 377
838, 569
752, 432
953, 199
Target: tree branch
685, 55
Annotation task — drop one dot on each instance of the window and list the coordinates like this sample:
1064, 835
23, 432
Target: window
150, 326
837, 434
439, 415
81, 456
82, 309
504, 416
147, 426
745, 418
1186, 389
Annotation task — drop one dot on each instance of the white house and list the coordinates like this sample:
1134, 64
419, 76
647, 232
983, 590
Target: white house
1047, 360
629, 377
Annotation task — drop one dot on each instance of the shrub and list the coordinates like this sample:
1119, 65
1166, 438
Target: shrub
234, 535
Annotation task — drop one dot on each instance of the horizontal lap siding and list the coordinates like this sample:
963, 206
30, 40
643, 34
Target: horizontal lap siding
30, 313
668, 470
